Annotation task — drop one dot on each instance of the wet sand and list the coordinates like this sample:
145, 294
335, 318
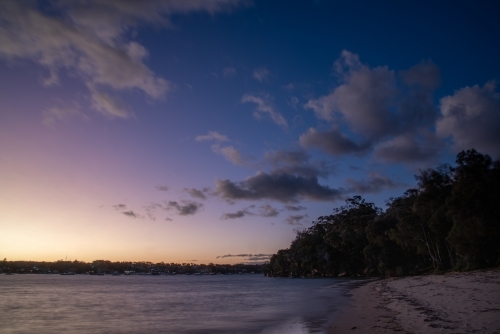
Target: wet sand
450, 303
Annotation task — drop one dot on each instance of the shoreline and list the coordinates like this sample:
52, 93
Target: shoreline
467, 302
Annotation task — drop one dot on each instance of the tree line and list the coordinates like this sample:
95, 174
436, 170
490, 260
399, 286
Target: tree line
108, 267
449, 221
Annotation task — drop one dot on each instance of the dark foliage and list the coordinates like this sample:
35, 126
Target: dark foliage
109, 267
449, 221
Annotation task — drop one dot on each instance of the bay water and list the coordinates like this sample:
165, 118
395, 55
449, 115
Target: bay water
169, 304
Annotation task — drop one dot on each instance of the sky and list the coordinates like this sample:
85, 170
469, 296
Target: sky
197, 131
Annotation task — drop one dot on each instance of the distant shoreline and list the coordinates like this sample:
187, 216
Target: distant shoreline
449, 303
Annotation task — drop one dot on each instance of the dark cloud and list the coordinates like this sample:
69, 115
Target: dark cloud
151, 210
415, 105
132, 214
169, 219
375, 104
296, 219
186, 208
471, 118
294, 207
332, 141
281, 187
376, 183
257, 257
292, 176
162, 188
267, 210
197, 193
364, 100
297, 162
236, 215
411, 149
296, 157
425, 75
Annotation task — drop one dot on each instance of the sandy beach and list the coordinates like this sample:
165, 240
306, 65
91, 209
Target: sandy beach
450, 303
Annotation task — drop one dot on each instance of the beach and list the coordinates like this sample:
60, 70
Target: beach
450, 303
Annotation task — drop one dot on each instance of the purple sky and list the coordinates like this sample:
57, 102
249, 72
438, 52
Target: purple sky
183, 130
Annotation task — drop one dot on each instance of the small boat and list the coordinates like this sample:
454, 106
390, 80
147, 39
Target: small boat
115, 274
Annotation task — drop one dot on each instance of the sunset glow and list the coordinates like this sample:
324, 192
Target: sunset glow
208, 131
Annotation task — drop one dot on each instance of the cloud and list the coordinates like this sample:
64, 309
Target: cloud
471, 118
89, 39
236, 215
292, 157
364, 99
297, 162
186, 208
132, 214
108, 105
162, 188
409, 149
373, 104
212, 135
281, 187
332, 141
197, 193
151, 210
256, 257
264, 106
292, 177
261, 74
267, 210
293, 102
228, 72
231, 154
296, 219
425, 75
375, 184
231, 255
294, 207
53, 114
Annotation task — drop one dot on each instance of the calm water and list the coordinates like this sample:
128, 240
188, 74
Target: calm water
168, 304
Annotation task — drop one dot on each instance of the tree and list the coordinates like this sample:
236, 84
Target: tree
346, 231
434, 188
474, 209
